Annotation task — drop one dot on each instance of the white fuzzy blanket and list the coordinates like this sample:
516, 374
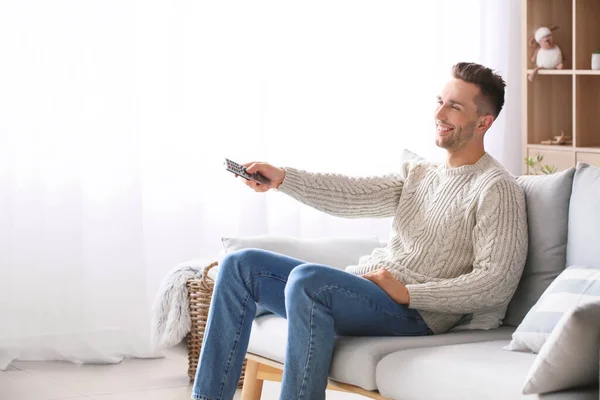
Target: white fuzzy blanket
170, 312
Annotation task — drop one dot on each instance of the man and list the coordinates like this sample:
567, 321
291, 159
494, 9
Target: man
457, 246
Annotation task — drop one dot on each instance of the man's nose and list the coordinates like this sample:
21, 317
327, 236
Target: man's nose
440, 113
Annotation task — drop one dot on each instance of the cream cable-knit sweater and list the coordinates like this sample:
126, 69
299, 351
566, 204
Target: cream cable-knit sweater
459, 238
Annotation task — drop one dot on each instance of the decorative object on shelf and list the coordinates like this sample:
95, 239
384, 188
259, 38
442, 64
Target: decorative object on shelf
561, 139
596, 60
547, 54
536, 167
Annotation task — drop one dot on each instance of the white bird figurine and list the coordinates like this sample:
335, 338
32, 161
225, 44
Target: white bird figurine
547, 55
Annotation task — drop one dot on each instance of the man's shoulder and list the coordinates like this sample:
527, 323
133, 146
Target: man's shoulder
499, 187
496, 177
496, 172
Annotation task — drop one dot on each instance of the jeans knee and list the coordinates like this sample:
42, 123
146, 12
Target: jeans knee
305, 278
238, 261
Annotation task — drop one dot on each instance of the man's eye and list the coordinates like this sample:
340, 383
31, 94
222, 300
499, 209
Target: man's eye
456, 107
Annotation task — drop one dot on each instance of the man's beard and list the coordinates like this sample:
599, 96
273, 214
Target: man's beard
458, 139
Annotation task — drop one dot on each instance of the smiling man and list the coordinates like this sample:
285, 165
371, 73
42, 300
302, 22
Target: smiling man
457, 247
467, 107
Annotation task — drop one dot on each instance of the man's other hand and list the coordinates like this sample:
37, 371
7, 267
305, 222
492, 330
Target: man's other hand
389, 284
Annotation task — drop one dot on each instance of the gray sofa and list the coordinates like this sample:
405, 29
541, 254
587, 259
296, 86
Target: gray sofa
564, 227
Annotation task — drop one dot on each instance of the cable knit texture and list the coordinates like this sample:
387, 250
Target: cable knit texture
459, 237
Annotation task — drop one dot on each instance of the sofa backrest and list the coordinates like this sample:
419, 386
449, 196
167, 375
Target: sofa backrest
547, 199
583, 247
338, 252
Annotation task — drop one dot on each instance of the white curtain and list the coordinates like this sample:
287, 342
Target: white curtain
115, 117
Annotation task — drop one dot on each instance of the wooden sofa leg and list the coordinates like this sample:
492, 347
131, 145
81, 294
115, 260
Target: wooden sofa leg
252, 388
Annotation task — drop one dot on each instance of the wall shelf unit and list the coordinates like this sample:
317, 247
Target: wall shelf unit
566, 100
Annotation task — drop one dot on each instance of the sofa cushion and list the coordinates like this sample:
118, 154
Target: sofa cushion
547, 198
575, 286
465, 371
355, 358
584, 217
573, 343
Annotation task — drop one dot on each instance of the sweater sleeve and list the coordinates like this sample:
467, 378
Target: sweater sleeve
500, 249
343, 196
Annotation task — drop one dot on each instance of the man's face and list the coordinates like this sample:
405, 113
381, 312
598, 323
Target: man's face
456, 115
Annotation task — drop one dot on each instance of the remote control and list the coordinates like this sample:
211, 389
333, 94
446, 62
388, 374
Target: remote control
241, 171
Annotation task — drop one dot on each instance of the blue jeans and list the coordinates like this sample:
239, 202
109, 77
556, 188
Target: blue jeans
318, 302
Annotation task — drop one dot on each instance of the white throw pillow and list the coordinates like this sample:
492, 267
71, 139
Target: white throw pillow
569, 358
338, 252
409, 156
576, 285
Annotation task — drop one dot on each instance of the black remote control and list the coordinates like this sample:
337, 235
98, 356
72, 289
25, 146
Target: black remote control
241, 171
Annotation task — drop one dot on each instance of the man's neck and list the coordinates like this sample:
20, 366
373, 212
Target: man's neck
464, 157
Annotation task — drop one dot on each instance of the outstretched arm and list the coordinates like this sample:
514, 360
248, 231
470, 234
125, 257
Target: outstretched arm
344, 196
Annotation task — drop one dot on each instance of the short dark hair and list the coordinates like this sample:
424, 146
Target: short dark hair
491, 86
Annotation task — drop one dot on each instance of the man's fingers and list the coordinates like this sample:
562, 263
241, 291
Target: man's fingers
372, 275
252, 167
257, 187
248, 182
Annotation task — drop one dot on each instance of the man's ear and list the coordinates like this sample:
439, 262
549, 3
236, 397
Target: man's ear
485, 122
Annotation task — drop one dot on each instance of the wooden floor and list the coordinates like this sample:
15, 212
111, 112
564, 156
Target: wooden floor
132, 379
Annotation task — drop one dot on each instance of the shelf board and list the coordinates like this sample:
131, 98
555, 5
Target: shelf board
588, 149
587, 72
552, 147
566, 72
557, 147
555, 71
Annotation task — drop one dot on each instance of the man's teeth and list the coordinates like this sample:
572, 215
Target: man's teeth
443, 129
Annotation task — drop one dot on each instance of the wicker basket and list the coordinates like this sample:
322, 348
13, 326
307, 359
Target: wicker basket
200, 292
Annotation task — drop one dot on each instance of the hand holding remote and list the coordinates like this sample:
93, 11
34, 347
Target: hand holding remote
274, 174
